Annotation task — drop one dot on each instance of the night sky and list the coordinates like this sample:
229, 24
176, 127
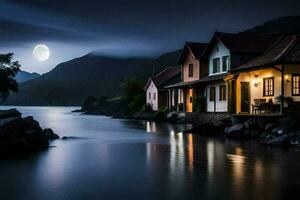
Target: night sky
124, 28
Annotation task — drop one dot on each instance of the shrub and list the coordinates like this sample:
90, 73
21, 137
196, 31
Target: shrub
199, 104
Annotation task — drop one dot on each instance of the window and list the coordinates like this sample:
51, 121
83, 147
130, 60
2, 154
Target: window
296, 84
212, 94
149, 95
154, 96
216, 65
191, 99
222, 92
225, 63
269, 86
191, 70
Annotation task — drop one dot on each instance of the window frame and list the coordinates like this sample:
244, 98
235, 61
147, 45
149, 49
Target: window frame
218, 66
191, 70
210, 94
292, 86
149, 95
264, 87
226, 58
154, 96
220, 93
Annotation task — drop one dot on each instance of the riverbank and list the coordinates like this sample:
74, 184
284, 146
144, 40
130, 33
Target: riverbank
278, 131
22, 136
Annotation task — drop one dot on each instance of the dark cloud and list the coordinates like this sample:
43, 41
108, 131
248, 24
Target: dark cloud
130, 27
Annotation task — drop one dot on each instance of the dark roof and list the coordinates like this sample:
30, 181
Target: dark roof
286, 50
205, 79
196, 48
244, 42
170, 75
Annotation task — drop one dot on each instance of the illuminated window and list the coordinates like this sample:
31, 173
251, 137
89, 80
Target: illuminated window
296, 84
225, 63
212, 94
222, 93
216, 65
269, 86
191, 70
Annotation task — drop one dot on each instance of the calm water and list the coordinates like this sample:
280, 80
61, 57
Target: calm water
121, 159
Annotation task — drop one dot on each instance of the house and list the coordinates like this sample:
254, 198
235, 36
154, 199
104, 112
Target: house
227, 51
259, 85
192, 70
156, 95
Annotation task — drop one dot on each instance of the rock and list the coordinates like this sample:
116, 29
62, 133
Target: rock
234, 121
226, 130
280, 132
269, 126
250, 123
9, 113
280, 141
263, 134
261, 124
235, 131
255, 134
50, 134
20, 136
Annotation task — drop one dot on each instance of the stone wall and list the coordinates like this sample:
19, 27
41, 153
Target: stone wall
200, 118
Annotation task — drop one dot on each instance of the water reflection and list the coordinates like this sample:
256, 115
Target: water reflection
126, 159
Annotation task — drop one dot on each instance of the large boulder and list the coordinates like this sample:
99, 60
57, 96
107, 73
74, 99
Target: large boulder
9, 113
20, 136
235, 131
280, 141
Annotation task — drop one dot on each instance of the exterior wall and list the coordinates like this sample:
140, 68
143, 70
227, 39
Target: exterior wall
257, 92
185, 68
218, 52
289, 70
151, 101
217, 105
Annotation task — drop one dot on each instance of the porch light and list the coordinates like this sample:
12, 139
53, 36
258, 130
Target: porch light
256, 82
287, 78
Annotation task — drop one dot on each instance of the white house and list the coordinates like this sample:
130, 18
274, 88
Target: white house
156, 94
227, 51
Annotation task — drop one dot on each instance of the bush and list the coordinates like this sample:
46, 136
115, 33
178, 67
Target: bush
160, 114
146, 108
199, 104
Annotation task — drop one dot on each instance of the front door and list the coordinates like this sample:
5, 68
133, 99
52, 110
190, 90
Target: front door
245, 99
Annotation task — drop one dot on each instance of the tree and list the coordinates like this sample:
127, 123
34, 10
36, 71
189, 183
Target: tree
134, 94
8, 70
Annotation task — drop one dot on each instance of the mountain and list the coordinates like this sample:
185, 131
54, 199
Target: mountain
23, 76
287, 24
69, 83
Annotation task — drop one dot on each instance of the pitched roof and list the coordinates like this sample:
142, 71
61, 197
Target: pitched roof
286, 50
247, 43
196, 48
243, 42
205, 79
169, 75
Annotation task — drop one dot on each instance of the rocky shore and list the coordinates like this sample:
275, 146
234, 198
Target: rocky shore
22, 136
280, 132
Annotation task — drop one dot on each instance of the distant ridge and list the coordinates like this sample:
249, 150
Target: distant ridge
287, 25
23, 76
69, 83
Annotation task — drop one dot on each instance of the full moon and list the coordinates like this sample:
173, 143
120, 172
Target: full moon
41, 52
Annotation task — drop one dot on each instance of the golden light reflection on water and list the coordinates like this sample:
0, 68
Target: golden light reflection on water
238, 165
190, 152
